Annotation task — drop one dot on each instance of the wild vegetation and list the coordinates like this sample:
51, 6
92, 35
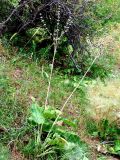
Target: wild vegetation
59, 80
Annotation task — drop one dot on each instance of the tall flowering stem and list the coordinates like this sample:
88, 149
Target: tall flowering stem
55, 43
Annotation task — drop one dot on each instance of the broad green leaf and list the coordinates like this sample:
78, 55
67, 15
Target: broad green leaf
117, 145
37, 114
59, 141
75, 152
51, 113
69, 122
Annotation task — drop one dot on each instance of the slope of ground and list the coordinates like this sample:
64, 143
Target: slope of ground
21, 79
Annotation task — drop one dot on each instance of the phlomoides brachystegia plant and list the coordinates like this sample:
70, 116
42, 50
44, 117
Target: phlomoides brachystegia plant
56, 38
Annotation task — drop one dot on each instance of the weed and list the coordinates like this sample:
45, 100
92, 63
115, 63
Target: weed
33, 140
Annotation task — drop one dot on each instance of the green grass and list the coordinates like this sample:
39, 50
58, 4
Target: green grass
20, 80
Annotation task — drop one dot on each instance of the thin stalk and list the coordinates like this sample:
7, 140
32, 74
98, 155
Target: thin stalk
56, 40
45, 153
51, 73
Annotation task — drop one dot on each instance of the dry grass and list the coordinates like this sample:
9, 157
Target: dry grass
105, 99
105, 96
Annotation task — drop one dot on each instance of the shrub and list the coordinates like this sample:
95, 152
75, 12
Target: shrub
76, 22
